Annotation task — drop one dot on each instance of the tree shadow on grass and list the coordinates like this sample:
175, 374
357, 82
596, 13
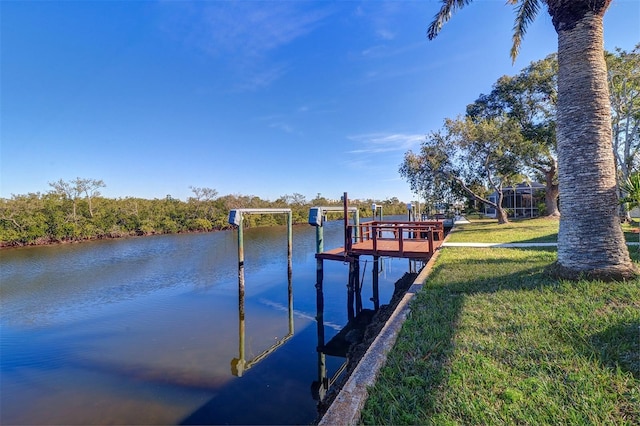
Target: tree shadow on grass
618, 346
408, 389
470, 235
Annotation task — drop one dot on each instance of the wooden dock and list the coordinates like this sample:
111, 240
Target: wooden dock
416, 241
410, 240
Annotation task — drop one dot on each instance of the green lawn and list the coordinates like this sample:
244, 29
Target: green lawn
492, 339
538, 230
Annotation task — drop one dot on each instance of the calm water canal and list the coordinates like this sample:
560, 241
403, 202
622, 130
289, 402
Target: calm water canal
144, 330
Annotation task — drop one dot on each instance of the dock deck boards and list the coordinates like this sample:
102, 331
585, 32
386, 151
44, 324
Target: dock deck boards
412, 249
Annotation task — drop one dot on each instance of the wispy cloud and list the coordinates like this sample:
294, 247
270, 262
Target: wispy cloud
243, 33
255, 28
386, 72
256, 77
385, 34
282, 126
376, 143
292, 121
383, 51
375, 151
356, 164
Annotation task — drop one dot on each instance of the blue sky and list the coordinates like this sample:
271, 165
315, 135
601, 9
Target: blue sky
254, 98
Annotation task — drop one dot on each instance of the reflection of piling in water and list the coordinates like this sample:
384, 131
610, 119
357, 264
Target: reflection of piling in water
317, 217
322, 366
376, 294
240, 365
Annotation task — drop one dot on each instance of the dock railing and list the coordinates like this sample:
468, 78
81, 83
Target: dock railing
395, 231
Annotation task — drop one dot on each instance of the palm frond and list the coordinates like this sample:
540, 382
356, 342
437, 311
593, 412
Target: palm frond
446, 10
525, 14
631, 189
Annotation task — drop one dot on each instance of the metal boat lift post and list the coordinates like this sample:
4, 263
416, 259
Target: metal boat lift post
317, 217
236, 217
375, 208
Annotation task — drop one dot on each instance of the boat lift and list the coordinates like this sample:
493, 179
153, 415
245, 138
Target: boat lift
240, 365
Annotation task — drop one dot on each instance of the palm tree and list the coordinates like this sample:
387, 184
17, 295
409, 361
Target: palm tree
590, 240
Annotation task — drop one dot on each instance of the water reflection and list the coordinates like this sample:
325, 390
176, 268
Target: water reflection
142, 330
351, 334
241, 364
320, 386
338, 347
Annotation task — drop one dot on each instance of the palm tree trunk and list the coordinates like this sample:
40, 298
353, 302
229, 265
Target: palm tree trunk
590, 240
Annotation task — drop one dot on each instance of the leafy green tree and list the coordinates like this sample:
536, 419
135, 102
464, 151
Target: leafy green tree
200, 224
530, 99
467, 151
631, 189
320, 201
70, 192
64, 213
586, 168
624, 87
56, 218
22, 220
294, 199
203, 202
433, 187
109, 220
90, 187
